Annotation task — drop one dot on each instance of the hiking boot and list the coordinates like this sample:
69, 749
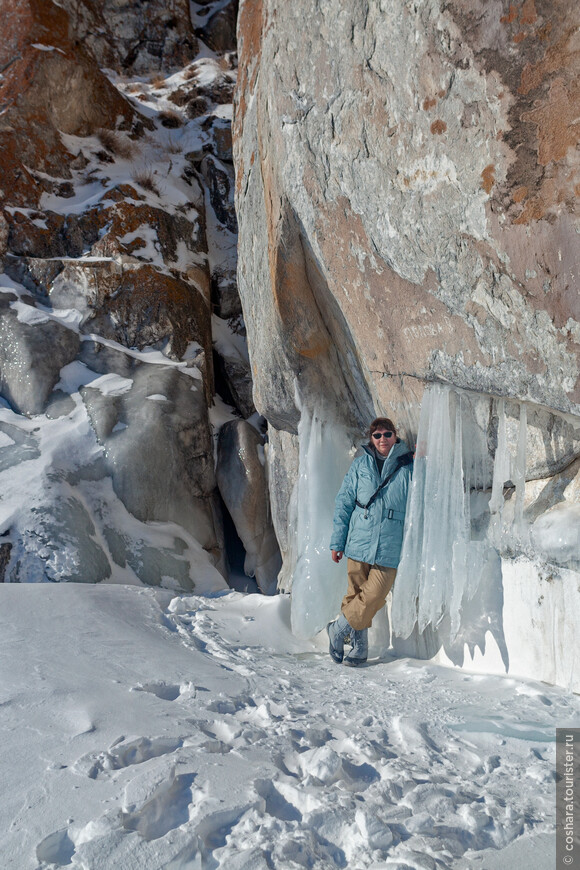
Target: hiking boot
360, 648
337, 632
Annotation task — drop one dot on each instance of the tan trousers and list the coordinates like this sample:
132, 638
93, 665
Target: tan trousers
368, 587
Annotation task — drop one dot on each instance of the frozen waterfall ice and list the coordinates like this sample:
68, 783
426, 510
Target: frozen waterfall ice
318, 584
465, 511
468, 512
441, 564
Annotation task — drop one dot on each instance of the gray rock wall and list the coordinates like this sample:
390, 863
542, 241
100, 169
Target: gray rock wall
406, 183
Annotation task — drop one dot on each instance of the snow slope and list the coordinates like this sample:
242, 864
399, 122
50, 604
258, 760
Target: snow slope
143, 730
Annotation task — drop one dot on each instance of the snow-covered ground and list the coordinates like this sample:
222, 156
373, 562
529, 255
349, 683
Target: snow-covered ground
143, 730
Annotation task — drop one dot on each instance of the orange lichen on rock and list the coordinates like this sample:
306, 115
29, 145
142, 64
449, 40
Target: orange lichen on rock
559, 56
488, 178
557, 121
47, 77
249, 44
438, 127
534, 209
528, 12
49, 86
17, 183
428, 103
511, 16
544, 31
520, 194
27, 237
525, 15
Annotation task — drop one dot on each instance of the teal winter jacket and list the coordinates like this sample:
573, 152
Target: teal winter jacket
374, 535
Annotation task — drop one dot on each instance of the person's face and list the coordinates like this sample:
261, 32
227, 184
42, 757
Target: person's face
383, 439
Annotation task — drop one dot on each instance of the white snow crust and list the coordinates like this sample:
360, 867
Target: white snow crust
142, 730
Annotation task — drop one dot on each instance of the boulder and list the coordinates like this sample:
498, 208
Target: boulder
148, 306
33, 349
217, 27
242, 482
157, 444
135, 37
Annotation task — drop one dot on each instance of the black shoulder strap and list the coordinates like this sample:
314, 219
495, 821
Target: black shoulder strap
406, 459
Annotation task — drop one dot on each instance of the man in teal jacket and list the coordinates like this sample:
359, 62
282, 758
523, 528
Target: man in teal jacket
368, 529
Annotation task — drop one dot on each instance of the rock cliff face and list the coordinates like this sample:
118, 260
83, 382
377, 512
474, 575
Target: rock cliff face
406, 182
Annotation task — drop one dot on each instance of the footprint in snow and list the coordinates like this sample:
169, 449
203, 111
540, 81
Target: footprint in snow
121, 755
167, 691
165, 809
56, 849
325, 766
224, 706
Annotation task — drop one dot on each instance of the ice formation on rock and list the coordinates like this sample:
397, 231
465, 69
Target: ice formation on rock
556, 535
318, 583
466, 510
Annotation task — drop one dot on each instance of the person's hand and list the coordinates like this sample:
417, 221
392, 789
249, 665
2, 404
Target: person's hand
336, 555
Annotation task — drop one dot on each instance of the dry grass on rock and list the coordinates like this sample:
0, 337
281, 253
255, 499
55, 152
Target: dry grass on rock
169, 118
146, 178
116, 143
172, 147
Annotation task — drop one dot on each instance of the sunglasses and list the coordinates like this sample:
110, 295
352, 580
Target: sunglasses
379, 435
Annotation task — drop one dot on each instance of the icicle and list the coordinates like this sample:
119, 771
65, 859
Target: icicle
501, 473
436, 519
406, 595
318, 583
520, 531
445, 563
435, 578
441, 568
460, 524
